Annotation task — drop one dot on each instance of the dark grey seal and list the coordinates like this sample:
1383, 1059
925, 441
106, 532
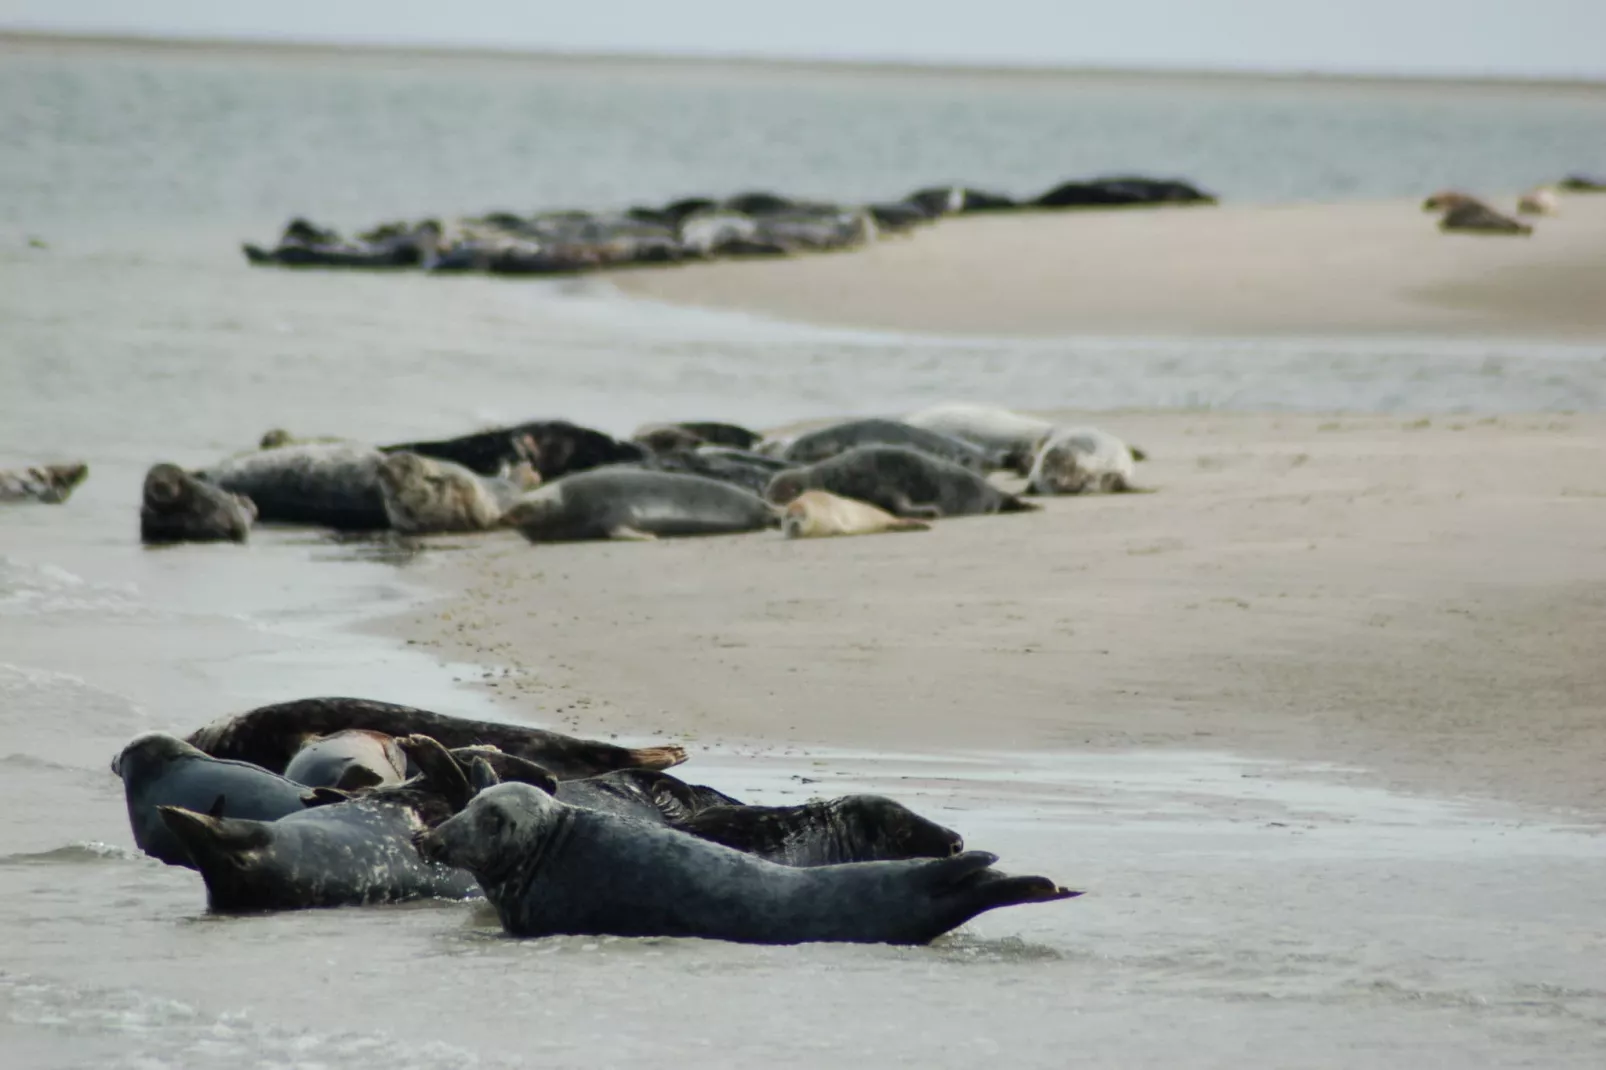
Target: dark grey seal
271, 735
352, 853
335, 484
902, 481
827, 832
645, 794
621, 502
162, 770
177, 507
1474, 217
549, 868
751, 472
826, 442
349, 760
690, 433
51, 484
555, 448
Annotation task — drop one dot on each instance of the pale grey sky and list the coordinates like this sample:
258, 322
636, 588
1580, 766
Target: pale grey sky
1552, 38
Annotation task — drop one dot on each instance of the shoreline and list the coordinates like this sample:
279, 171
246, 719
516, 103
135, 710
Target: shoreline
1312, 589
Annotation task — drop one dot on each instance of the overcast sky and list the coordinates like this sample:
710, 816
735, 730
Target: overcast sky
1565, 38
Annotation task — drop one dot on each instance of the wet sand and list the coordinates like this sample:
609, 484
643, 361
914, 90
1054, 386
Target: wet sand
1330, 269
1415, 602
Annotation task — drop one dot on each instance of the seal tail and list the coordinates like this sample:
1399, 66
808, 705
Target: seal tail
656, 757
974, 887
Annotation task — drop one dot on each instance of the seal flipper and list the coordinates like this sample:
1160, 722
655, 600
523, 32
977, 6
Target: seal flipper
1012, 504
321, 797
972, 887
439, 768
1137, 454
208, 838
625, 532
503, 767
903, 507
482, 776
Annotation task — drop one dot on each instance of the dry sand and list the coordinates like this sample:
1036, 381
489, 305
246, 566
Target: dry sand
1367, 268
1421, 601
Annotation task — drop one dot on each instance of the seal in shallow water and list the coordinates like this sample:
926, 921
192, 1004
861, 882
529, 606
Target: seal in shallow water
335, 484
270, 736
902, 481
549, 868
1081, 460
348, 760
817, 514
48, 483
631, 503
424, 495
826, 442
177, 507
825, 832
162, 770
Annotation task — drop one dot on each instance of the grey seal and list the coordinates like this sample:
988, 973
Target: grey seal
270, 736
688, 433
629, 503
348, 760
549, 868
825, 832
350, 853
335, 484
1081, 460
162, 770
644, 794
555, 447
817, 514
1475, 217
425, 495
178, 507
1011, 435
751, 472
826, 442
902, 481
51, 484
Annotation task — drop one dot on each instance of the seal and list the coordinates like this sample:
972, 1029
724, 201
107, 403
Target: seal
825, 832
1541, 200
816, 514
1474, 217
902, 481
425, 496
555, 447
177, 507
644, 794
162, 770
1119, 190
549, 868
630, 503
352, 853
48, 483
827, 442
270, 736
1583, 184
1081, 460
706, 432
334, 484
1447, 198
1012, 436
348, 760
750, 471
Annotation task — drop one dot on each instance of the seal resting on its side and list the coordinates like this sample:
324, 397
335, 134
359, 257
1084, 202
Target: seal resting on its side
1541, 200
335, 484
426, 496
701, 432
827, 442
645, 794
549, 869
816, 514
630, 503
1011, 435
162, 770
825, 832
348, 760
177, 507
270, 736
1475, 217
902, 481
1081, 460
555, 447
48, 483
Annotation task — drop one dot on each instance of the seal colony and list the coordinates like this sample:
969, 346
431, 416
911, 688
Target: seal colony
307, 804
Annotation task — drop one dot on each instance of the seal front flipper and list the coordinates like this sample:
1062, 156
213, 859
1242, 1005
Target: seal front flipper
909, 510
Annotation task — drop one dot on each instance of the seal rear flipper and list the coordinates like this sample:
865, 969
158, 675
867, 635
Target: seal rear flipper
440, 771
502, 768
657, 757
207, 838
903, 507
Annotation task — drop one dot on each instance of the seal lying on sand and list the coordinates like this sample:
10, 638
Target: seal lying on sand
1541, 200
555, 447
177, 507
549, 868
425, 496
816, 514
349, 760
826, 442
750, 471
351, 853
1472, 216
49, 483
162, 770
827, 832
270, 736
902, 481
630, 503
1081, 460
335, 484
702, 432
1010, 435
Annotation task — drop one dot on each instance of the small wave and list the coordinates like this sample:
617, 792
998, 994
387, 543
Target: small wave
74, 854
27, 590
31, 761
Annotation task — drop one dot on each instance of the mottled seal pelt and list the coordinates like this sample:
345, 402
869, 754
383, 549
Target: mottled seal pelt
351, 853
696, 433
825, 832
549, 868
555, 447
162, 770
1475, 217
270, 736
1011, 435
826, 442
750, 471
51, 484
817, 514
630, 503
348, 760
644, 794
334, 484
902, 481
178, 507
1081, 460
425, 495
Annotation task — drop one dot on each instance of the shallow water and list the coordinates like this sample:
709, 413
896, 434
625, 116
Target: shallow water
1239, 913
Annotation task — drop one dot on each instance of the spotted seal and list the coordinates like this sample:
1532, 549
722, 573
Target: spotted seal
270, 736
549, 868
816, 514
334, 484
425, 496
902, 481
51, 484
158, 770
1081, 460
629, 503
348, 760
826, 442
177, 507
